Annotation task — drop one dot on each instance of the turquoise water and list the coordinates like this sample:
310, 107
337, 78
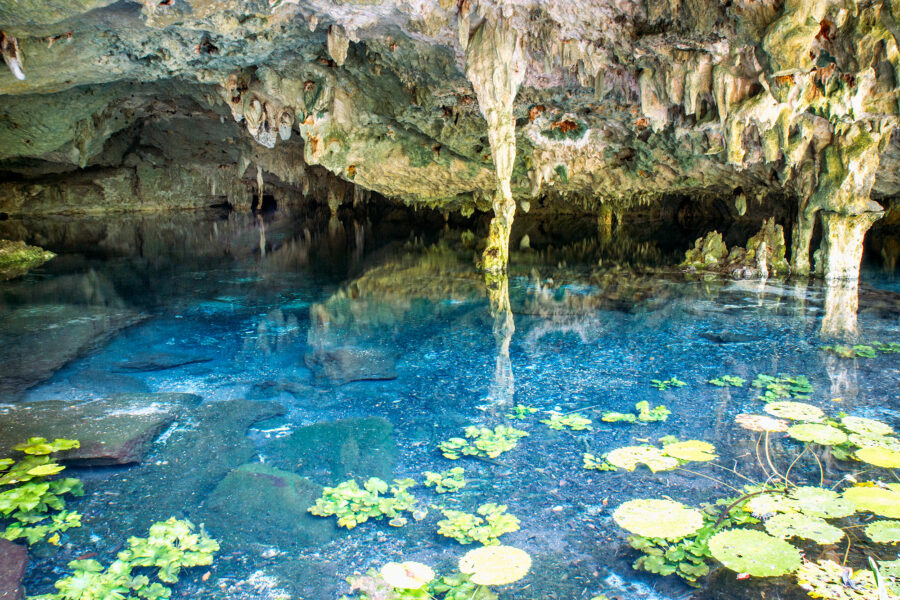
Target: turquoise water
339, 350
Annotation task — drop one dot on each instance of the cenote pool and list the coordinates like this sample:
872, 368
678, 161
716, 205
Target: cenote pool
239, 363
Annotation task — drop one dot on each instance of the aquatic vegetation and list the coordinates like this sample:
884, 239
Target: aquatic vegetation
448, 481
416, 581
575, 422
792, 524
728, 381
31, 499
783, 386
664, 519
407, 575
796, 411
754, 552
486, 529
864, 426
880, 457
353, 506
482, 441
460, 587
671, 382
520, 411
884, 532
644, 414
673, 454
761, 423
870, 350
495, 565
817, 433
829, 580
170, 547
820, 502
882, 501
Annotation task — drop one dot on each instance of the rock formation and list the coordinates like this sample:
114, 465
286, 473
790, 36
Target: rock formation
595, 106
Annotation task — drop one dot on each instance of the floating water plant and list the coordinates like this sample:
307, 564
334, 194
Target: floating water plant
644, 414
629, 457
754, 552
31, 499
452, 480
599, 464
788, 525
171, 546
520, 411
575, 422
728, 381
880, 457
796, 411
864, 426
671, 382
672, 455
407, 575
486, 527
856, 351
415, 581
691, 451
482, 441
884, 532
761, 423
829, 580
353, 506
665, 519
783, 386
820, 502
882, 501
817, 433
495, 565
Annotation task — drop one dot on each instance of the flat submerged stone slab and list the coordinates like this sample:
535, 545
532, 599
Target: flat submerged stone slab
13, 562
346, 364
112, 431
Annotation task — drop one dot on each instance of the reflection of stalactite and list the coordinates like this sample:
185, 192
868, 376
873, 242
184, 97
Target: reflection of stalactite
841, 305
842, 373
503, 385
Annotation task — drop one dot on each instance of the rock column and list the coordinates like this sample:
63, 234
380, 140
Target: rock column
495, 66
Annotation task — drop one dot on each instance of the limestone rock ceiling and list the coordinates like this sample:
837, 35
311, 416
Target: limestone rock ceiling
618, 101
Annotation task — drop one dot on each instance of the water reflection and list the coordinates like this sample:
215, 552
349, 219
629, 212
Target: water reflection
841, 307
503, 384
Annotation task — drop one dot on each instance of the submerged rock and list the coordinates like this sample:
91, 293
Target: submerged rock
17, 258
113, 431
159, 361
343, 365
37, 341
256, 503
332, 452
13, 562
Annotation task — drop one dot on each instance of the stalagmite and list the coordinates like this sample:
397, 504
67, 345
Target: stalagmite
495, 65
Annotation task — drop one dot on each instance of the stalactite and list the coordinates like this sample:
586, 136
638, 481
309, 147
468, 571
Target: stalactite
495, 65
12, 56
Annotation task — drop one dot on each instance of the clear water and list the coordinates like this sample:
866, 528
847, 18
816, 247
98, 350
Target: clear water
243, 300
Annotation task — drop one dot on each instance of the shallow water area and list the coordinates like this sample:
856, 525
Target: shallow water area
317, 351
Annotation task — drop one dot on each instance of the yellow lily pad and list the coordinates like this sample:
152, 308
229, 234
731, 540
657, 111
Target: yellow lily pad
651, 518
884, 502
795, 411
866, 426
880, 457
495, 565
817, 433
630, 457
691, 451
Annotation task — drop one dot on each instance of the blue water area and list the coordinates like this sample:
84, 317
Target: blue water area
321, 352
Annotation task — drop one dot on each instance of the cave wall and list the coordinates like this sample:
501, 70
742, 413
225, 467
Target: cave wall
456, 105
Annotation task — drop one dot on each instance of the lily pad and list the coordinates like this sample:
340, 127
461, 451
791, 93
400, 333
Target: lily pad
691, 450
881, 501
761, 423
407, 575
769, 504
665, 519
821, 502
880, 457
804, 526
754, 552
495, 565
630, 457
796, 411
884, 532
829, 580
874, 441
817, 433
866, 426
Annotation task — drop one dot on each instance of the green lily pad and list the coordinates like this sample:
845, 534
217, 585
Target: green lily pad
691, 450
790, 525
817, 433
866, 426
878, 500
630, 457
874, 441
826, 579
821, 502
880, 457
754, 552
796, 411
884, 532
769, 504
658, 518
